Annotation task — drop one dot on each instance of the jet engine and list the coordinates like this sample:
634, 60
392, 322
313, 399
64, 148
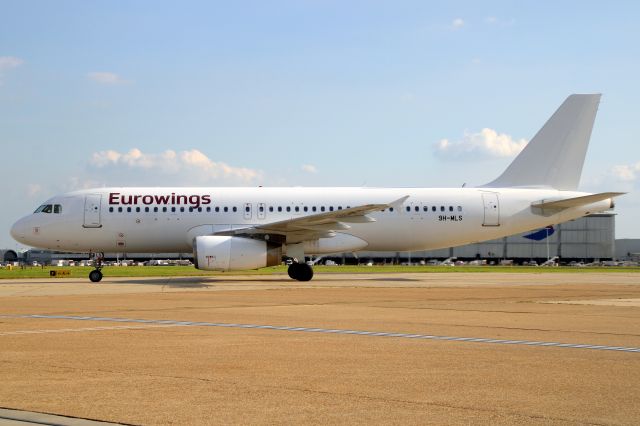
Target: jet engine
220, 253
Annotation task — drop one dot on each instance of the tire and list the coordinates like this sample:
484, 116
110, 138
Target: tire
305, 273
292, 270
95, 276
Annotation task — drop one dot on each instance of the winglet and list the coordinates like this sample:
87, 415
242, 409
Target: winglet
398, 202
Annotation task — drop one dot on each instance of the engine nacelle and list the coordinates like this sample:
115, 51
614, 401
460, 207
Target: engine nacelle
218, 253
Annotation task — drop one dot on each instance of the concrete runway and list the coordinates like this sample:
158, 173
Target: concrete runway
454, 348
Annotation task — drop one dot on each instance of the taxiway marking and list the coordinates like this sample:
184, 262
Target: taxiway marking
172, 323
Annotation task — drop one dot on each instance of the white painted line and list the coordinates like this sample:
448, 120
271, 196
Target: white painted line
170, 323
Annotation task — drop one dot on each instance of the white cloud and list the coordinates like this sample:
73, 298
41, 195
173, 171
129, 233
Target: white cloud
33, 189
493, 20
184, 167
457, 23
626, 172
486, 143
104, 77
7, 63
309, 168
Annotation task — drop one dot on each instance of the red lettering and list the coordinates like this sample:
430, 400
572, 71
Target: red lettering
206, 199
147, 199
162, 199
114, 197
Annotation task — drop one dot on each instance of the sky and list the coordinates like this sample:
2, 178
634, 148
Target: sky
306, 93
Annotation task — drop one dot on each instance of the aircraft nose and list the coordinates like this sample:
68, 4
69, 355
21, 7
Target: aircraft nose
19, 231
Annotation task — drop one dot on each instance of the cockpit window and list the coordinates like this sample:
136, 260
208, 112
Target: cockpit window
49, 208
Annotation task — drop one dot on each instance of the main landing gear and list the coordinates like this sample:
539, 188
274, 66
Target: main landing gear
96, 275
300, 271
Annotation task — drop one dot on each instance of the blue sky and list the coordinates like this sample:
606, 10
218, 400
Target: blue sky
317, 93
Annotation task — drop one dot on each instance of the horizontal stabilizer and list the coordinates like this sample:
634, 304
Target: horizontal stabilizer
576, 201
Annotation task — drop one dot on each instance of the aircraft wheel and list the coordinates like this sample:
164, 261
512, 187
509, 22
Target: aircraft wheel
300, 271
95, 276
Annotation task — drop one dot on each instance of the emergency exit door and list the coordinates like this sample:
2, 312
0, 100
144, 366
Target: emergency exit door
491, 209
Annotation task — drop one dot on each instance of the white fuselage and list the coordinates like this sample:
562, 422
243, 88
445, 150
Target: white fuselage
168, 219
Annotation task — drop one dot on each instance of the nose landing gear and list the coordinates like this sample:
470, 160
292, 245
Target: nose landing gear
96, 275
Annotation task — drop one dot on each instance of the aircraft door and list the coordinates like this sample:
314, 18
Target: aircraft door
262, 210
247, 211
92, 211
491, 209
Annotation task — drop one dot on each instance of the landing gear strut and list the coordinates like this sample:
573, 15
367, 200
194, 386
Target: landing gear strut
300, 271
96, 275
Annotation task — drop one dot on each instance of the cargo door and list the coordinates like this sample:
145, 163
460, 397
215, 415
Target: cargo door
491, 209
92, 211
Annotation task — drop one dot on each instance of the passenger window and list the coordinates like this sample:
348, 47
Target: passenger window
313, 208
297, 208
235, 209
391, 209
146, 209
208, 209
128, 209
433, 209
450, 208
261, 209
330, 208
425, 209
110, 209
321, 208
164, 209
247, 209
271, 208
288, 208
305, 208
119, 209
339, 207
408, 208
173, 209
182, 209
279, 208
459, 208
190, 209
138, 209
155, 210
217, 209
417, 209
441, 208
199, 209
225, 209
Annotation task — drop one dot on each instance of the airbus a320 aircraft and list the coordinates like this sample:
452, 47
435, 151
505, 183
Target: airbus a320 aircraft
250, 228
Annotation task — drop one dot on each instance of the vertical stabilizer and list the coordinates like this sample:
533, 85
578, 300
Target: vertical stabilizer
555, 156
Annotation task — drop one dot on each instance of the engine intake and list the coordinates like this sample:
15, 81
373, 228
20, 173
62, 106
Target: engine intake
220, 253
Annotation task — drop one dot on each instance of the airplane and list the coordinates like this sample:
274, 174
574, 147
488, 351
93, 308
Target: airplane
251, 228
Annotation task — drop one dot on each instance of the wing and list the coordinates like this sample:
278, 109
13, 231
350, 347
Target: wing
311, 227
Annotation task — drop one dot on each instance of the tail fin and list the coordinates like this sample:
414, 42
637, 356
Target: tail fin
555, 155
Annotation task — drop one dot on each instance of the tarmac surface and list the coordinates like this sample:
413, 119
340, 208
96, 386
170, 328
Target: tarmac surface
434, 348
